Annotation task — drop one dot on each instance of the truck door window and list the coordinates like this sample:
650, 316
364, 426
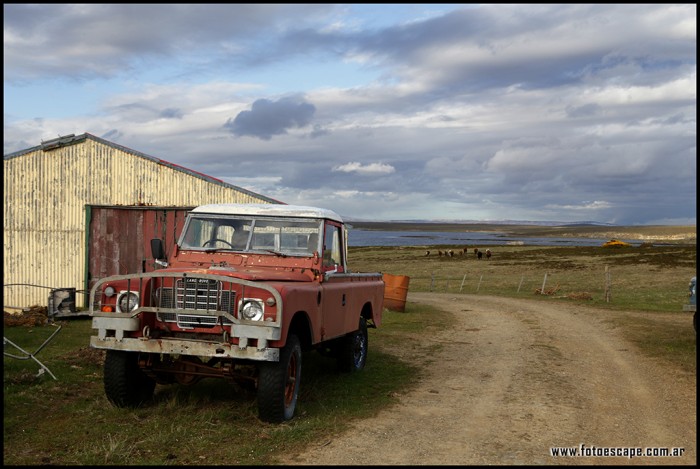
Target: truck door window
332, 249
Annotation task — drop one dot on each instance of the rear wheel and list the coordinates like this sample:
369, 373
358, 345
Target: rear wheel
126, 385
278, 384
352, 353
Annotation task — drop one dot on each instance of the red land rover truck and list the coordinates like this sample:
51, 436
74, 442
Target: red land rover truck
247, 288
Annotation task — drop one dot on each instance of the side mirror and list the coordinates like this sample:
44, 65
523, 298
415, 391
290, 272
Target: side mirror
158, 252
157, 249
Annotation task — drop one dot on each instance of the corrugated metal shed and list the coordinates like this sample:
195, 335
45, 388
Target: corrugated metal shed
48, 190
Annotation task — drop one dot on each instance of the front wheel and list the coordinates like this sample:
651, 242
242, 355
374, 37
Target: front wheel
278, 384
126, 385
352, 354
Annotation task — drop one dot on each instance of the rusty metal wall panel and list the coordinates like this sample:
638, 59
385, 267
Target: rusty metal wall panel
115, 243
45, 199
165, 224
120, 238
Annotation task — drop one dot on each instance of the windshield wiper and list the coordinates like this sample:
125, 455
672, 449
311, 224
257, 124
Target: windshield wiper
276, 253
213, 249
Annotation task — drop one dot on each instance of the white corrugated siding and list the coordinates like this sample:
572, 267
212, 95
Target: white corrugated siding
45, 194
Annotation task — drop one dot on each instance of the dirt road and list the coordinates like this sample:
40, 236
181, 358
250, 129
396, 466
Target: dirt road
515, 378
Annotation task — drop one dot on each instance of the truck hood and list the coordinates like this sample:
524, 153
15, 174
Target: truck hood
246, 273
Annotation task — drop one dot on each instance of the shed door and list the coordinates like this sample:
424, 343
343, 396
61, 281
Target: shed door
120, 238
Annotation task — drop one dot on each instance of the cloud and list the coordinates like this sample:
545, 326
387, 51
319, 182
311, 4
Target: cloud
171, 113
84, 41
473, 111
585, 110
368, 169
589, 205
267, 118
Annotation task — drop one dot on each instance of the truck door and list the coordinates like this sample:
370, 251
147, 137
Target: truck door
334, 288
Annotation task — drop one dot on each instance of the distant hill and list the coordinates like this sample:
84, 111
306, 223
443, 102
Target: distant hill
644, 233
481, 222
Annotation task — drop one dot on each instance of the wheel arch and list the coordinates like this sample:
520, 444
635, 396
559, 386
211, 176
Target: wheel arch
301, 327
368, 313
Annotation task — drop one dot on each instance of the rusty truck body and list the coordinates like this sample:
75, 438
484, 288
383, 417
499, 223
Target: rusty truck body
246, 289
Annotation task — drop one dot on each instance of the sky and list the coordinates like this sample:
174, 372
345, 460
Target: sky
474, 112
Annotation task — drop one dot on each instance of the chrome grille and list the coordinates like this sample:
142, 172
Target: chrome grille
195, 294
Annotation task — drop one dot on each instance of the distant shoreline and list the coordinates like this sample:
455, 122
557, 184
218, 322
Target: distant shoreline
685, 234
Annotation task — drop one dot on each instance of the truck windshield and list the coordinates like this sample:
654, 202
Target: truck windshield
281, 235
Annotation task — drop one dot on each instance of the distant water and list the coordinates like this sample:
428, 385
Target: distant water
358, 238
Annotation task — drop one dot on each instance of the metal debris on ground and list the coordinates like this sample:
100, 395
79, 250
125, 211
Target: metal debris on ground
34, 316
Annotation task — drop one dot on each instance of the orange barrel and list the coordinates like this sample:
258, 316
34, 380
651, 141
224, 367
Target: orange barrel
395, 290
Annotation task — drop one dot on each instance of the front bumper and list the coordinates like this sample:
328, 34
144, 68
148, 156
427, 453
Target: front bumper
111, 329
123, 331
186, 347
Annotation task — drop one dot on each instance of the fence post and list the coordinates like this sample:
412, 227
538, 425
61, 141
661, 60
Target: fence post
462, 285
432, 280
608, 293
544, 282
479, 285
521, 283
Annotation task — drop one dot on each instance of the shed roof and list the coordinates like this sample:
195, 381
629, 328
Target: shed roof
73, 139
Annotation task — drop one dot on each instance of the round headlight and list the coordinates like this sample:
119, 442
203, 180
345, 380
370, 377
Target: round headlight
127, 302
252, 310
109, 291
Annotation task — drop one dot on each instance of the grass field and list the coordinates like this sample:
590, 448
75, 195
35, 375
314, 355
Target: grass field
641, 278
68, 421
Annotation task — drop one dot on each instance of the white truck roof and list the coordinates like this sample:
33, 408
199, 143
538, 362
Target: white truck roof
272, 210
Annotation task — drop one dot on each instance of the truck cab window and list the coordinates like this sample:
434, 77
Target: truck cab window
332, 248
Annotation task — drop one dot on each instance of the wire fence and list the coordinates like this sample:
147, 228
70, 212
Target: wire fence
570, 284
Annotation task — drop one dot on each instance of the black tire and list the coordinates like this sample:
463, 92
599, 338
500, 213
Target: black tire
352, 353
126, 385
278, 384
